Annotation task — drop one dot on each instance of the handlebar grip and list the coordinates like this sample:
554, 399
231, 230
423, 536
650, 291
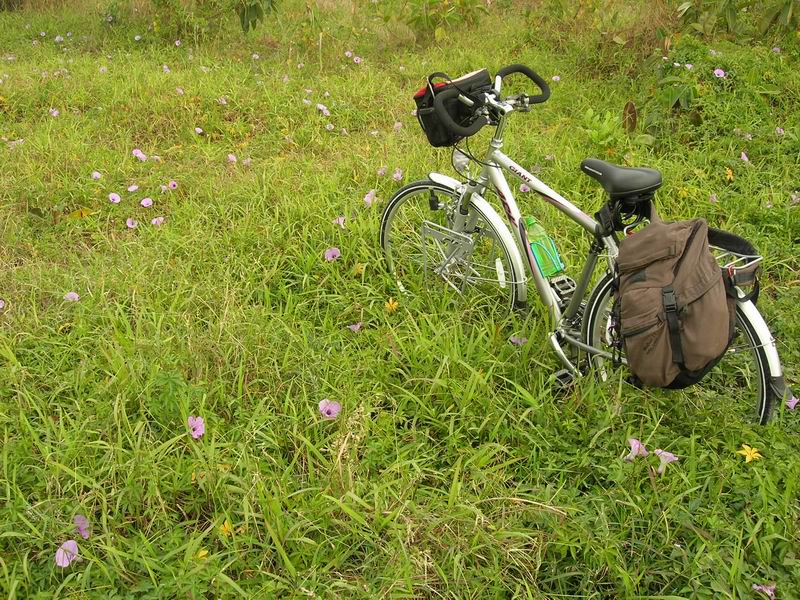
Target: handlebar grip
533, 76
447, 120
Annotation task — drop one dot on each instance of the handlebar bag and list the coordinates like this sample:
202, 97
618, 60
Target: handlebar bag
469, 85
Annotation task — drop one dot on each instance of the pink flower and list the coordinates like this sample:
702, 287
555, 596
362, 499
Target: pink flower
518, 340
398, 126
247, 161
104, 69
332, 254
329, 126
637, 449
348, 53
114, 198
524, 188
791, 403
232, 158
177, 43
779, 131
300, 65
139, 154
133, 187
414, 112
769, 590
306, 101
381, 171
179, 91
666, 458
82, 526
744, 157
329, 409
2, 304
96, 175
254, 56
398, 174
197, 426
223, 101
369, 198
198, 131
285, 79
173, 185
776, 50
146, 202
165, 68
54, 112
357, 60
66, 553
163, 188
556, 78
689, 66
157, 221
339, 221
71, 297
712, 198
719, 73
132, 223
355, 326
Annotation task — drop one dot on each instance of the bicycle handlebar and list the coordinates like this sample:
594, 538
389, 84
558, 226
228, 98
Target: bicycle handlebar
451, 93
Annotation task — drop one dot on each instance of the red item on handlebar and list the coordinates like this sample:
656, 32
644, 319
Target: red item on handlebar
471, 86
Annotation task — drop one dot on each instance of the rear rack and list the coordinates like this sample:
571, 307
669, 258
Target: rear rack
732, 261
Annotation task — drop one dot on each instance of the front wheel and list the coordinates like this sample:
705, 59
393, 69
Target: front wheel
744, 371
426, 251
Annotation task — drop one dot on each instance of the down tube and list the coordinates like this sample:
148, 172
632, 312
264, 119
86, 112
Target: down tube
515, 218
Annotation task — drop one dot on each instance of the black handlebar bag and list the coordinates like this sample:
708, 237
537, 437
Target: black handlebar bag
470, 86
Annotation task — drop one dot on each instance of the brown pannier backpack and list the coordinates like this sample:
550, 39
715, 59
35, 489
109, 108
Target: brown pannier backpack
676, 312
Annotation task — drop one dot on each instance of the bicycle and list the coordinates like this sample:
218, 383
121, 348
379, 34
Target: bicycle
444, 227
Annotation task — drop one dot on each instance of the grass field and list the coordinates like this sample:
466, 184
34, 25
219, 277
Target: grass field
452, 471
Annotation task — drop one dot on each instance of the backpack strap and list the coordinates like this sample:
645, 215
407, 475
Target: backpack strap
673, 325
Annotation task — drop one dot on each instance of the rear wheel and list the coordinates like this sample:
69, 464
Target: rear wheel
743, 373
425, 253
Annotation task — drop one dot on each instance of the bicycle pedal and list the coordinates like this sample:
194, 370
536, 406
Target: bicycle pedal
563, 380
564, 287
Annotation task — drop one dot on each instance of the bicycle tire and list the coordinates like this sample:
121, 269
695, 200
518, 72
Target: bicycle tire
594, 326
501, 281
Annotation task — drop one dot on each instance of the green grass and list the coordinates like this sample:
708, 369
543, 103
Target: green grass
453, 470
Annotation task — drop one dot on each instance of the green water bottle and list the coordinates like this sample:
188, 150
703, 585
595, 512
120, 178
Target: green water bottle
543, 248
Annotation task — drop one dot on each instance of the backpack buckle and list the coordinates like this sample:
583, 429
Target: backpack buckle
670, 301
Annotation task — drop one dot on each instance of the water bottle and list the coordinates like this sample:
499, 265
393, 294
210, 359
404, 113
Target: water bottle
543, 248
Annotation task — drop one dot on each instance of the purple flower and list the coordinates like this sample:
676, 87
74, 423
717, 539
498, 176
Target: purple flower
232, 158
82, 526
285, 79
339, 221
556, 78
222, 100
719, 73
177, 43
133, 187
157, 221
197, 426
66, 553
179, 91
254, 56
198, 131
2, 304
332, 254
791, 403
139, 154
769, 590
398, 126
744, 157
306, 101
173, 185
132, 223
414, 112
348, 53
114, 198
165, 68
355, 326
109, 18
72, 297
666, 458
96, 175
689, 66
357, 60
369, 198
163, 188
398, 174
247, 161
329, 126
146, 202
776, 50
381, 171
58, 39
779, 131
518, 340
712, 198
104, 69
637, 449
322, 108
329, 409
524, 188
54, 112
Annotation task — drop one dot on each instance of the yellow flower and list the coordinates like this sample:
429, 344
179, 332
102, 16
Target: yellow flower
226, 528
728, 173
392, 305
750, 454
202, 554
359, 268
